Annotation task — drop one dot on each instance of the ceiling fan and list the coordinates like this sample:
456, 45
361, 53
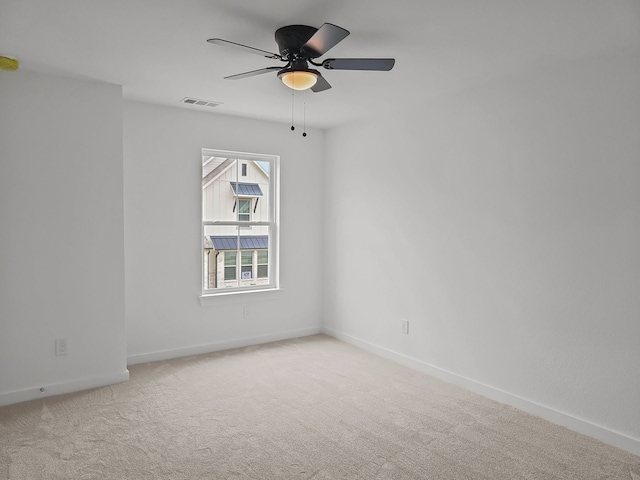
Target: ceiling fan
299, 45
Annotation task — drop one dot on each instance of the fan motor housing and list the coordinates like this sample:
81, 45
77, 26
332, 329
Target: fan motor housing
291, 38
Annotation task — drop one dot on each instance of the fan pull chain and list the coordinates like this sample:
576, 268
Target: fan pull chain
292, 127
304, 113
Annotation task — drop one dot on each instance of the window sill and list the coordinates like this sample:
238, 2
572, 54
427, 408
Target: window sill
244, 296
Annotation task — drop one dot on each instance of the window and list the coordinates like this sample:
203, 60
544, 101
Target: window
263, 263
244, 209
230, 265
247, 264
239, 221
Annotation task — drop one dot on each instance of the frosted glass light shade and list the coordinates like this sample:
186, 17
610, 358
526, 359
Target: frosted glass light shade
300, 80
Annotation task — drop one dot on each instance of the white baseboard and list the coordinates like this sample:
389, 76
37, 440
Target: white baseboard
48, 390
217, 346
584, 427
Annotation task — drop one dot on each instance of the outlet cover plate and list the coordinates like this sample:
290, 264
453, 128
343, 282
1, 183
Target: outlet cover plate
61, 346
405, 326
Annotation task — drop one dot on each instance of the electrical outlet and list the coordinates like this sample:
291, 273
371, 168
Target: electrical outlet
247, 312
405, 326
61, 346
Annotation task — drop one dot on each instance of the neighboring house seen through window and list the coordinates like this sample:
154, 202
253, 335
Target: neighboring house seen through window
239, 221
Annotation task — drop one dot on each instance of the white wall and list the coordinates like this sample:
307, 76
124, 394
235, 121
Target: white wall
61, 235
162, 151
504, 224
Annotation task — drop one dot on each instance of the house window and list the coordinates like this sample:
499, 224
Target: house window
230, 265
244, 209
239, 221
263, 264
246, 266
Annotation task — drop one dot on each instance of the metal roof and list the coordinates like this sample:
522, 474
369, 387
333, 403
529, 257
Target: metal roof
247, 242
246, 189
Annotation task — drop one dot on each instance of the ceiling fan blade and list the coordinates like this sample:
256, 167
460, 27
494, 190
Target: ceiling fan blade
378, 64
245, 48
252, 73
325, 38
321, 85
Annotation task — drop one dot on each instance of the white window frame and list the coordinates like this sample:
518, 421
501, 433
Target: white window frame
273, 223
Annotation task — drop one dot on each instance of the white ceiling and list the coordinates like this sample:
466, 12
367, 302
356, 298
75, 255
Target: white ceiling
157, 49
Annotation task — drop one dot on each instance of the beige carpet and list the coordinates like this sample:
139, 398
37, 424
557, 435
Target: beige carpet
306, 408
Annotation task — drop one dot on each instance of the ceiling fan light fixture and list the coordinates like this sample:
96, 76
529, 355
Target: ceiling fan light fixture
298, 79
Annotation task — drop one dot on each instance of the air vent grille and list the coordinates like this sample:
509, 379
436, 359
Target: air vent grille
199, 102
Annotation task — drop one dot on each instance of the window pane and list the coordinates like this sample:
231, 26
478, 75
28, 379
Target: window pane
244, 210
263, 271
230, 273
230, 265
230, 258
247, 272
229, 268
237, 189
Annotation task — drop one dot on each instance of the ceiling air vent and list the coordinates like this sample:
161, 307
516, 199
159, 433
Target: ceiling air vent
199, 102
